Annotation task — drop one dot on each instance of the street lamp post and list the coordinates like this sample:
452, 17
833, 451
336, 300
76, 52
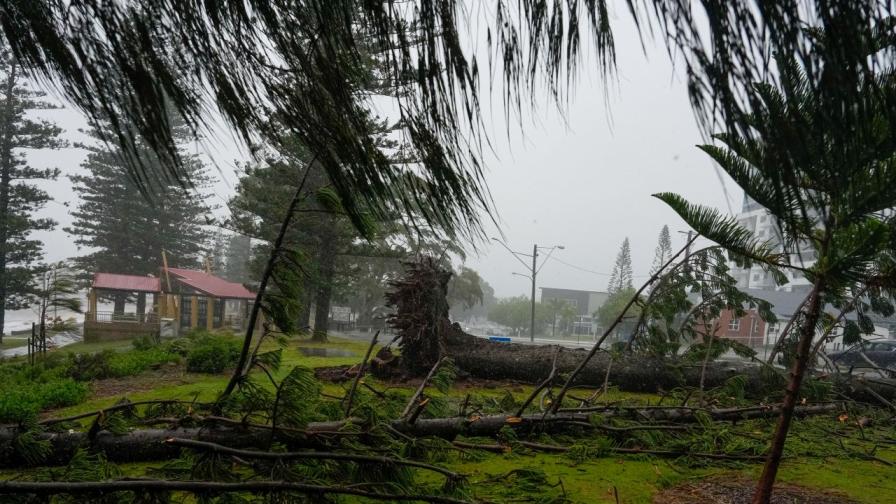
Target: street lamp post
533, 270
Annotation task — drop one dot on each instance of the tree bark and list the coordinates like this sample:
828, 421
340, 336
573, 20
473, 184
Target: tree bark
480, 358
766, 483
150, 444
119, 303
327, 262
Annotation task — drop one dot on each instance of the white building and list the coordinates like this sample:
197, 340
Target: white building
764, 226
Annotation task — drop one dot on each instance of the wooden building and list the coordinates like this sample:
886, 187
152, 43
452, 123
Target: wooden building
182, 300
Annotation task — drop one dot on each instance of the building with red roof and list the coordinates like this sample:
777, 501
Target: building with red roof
182, 299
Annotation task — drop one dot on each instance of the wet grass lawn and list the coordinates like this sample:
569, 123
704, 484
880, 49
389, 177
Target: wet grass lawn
497, 477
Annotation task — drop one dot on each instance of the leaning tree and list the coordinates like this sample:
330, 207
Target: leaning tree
822, 162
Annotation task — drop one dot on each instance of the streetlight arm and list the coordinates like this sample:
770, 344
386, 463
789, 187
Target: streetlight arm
555, 247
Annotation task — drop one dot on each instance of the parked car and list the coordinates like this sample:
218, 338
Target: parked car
881, 352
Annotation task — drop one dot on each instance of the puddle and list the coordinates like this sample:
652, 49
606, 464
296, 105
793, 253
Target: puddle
325, 352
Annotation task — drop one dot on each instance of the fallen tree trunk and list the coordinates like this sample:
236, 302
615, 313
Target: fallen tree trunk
482, 358
487, 426
153, 444
485, 359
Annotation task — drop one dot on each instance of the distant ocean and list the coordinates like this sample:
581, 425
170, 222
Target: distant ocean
20, 320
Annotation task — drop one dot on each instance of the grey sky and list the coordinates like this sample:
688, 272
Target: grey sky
584, 183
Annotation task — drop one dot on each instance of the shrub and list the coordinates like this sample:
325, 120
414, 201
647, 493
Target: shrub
212, 353
85, 367
21, 402
145, 342
109, 364
137, 361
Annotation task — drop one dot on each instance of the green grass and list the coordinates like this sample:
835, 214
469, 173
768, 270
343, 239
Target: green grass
636, 478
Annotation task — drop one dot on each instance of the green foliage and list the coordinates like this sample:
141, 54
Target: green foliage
211, 353
516, 313
135, 362
297, 394
162, 213
621, 277
111, 364
740, 242
21, 184
614, 305
444, 376
21, 401
465, 288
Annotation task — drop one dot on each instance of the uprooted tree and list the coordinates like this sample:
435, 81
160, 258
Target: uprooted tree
653, 363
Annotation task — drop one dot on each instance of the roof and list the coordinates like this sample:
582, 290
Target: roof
131, 283
211, 285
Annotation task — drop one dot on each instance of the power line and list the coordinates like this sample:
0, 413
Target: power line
586, 270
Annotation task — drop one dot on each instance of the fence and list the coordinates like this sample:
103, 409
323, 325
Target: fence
106, 317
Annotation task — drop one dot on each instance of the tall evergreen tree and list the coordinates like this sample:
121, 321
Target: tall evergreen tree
237, 257
663, 250
621, 278
126, 228
20, 197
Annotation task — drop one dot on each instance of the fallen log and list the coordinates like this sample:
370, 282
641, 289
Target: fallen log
488, 426
153, 444
485, 359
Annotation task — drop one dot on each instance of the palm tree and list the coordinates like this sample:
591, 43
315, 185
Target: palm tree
822, 163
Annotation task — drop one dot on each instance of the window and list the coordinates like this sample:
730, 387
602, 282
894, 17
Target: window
734, 324
773, 327
754, 326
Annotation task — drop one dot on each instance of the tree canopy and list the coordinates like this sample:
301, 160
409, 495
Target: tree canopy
298, 61
126, 232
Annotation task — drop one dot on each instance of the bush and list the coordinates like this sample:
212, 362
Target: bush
85, 367
145, 342
109, 364
212, 353
22, 401
138, 361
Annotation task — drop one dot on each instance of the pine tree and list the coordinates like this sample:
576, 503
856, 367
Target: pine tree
663, 250
127, 228
237, 257
621, 278
20, 197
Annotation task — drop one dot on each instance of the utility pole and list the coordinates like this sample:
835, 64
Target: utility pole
534, 272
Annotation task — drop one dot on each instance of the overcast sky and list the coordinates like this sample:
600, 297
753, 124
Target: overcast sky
583, 182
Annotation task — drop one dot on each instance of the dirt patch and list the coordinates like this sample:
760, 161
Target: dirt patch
167, 374
728, 490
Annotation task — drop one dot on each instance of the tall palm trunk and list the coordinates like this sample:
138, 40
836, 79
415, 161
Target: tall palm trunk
6, 160
766, 483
